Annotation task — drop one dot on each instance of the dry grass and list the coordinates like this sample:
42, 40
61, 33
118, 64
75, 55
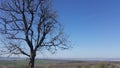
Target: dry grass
77, 65
71, 65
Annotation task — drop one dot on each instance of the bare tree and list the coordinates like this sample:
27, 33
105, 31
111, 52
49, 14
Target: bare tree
29, 26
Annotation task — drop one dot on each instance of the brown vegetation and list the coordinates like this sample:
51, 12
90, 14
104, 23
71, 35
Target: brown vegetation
75, 65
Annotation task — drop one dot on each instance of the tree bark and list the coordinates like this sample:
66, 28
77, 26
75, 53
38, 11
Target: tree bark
32, 60
31, 63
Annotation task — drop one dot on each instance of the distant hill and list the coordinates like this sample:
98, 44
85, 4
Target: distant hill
64, 59
11, 58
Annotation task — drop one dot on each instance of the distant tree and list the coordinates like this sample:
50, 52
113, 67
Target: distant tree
30, 26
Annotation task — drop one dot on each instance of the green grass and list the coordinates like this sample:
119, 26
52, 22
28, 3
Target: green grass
23, 63
7, 63
12, 62
99, 65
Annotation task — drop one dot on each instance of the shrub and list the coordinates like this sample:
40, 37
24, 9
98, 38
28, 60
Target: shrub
101, 65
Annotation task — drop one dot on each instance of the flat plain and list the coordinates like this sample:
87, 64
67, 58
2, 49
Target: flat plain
59, 64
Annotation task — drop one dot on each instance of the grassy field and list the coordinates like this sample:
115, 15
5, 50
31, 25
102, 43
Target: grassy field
59, 64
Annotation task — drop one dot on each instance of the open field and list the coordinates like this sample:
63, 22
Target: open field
59, 64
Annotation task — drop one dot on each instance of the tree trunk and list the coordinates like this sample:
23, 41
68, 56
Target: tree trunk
32, 60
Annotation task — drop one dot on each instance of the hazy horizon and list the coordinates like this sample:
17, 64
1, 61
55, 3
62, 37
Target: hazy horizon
74, 59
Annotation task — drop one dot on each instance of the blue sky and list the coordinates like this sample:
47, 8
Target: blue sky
93, 26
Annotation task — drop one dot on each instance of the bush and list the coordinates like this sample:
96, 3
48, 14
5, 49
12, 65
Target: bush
101, 65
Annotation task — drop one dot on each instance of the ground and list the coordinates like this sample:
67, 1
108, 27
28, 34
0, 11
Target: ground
60, 64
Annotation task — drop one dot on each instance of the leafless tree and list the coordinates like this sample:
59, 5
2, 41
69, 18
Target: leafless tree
29, 26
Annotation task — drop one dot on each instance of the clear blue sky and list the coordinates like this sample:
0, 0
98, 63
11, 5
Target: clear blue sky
93, 26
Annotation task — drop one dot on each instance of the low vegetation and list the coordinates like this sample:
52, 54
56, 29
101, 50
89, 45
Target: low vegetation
56, 64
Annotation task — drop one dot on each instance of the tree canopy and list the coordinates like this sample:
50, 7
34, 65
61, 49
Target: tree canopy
29, 26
